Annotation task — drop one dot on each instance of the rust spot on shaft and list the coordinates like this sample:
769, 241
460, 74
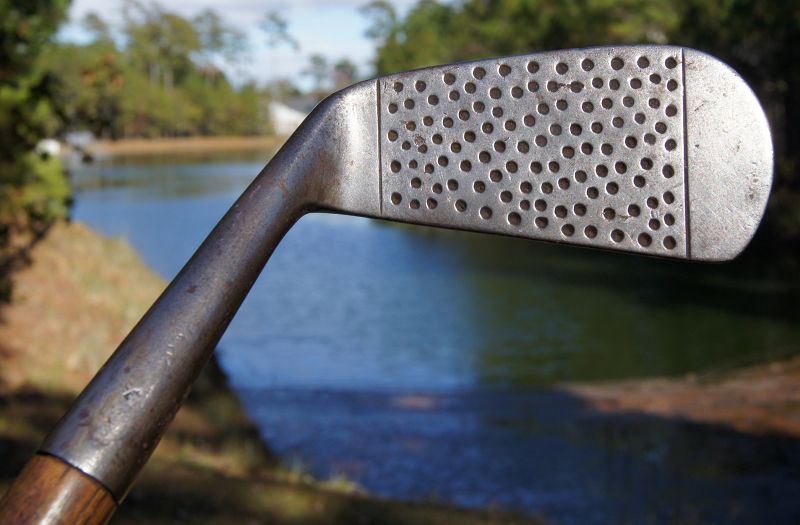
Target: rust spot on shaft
283, 188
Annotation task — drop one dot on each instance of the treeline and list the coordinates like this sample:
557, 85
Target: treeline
155, 74
159, 74
759, 38
33, 190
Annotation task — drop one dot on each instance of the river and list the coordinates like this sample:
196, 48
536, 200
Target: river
417, 362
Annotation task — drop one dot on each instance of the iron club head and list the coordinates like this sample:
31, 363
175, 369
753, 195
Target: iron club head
650, 149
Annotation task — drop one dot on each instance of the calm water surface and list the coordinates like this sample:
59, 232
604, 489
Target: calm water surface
416, 361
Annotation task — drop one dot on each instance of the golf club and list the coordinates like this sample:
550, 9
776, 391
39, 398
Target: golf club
655, 150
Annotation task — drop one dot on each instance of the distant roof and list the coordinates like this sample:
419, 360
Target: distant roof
304, 104
284, 118
79, 139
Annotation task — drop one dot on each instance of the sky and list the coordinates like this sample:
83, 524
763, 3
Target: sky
332, 28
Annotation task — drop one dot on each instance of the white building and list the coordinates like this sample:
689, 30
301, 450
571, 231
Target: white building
284, 119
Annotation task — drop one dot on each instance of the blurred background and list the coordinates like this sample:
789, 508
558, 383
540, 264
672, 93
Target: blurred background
380, 373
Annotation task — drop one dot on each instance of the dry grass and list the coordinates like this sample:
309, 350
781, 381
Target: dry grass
71, 308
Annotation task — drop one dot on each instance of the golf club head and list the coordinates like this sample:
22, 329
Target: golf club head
656, 150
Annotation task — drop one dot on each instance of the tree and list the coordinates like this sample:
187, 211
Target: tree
98, 28
283, 89
384, 22
218, 39
32, 192
164, 79
345, 73
384, 30
276, 29
160, 41
319, 71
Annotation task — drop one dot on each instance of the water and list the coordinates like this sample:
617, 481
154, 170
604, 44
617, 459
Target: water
416, 361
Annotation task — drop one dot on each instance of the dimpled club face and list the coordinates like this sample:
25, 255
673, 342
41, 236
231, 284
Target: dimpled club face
581, 146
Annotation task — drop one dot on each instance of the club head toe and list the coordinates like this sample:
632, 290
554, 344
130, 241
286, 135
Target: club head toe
729, 159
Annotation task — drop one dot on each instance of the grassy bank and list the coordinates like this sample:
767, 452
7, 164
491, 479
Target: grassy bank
71, 306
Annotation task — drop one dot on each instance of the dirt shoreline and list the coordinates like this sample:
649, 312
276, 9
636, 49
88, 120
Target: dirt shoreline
762, 399
182, 145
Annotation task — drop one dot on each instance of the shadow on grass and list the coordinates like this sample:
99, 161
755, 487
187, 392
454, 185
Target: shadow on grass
15, 250
25, 418
194, 495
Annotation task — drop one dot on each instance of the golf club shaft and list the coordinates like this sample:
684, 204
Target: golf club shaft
110, 431
122, 414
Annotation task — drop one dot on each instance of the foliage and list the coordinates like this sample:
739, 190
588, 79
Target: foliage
276, 29
164, 78
318, 71
434, 32
327, 77
33, 191
344, 73
159, 74
46, 192
216, 37
760, 39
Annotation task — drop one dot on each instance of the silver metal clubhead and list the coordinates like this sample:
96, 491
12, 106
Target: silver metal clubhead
652, 149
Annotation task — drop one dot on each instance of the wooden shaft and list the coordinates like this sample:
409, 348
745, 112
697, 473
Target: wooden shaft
49, 491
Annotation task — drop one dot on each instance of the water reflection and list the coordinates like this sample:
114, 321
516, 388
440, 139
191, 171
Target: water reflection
592, 315
543, 451
412, 359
